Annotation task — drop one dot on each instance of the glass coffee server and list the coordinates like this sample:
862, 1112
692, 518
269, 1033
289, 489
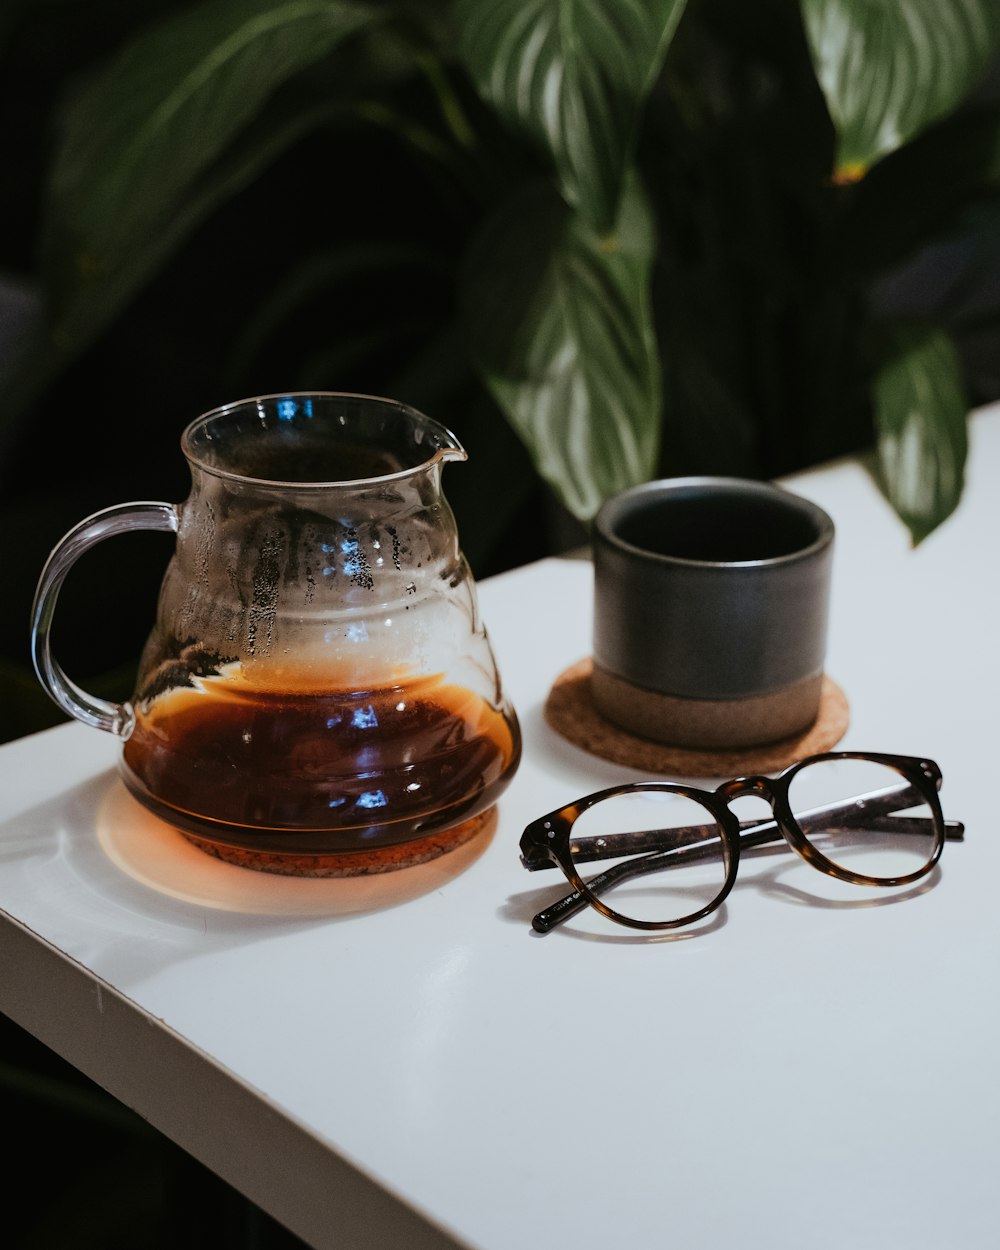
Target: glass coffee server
318, 680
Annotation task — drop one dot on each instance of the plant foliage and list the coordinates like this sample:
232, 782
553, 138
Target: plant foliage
674, 221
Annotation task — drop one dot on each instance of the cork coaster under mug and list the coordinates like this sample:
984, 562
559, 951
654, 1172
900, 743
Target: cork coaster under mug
570, 711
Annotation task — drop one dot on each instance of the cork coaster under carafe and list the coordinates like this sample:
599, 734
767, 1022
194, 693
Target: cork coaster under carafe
353, 863
570, 711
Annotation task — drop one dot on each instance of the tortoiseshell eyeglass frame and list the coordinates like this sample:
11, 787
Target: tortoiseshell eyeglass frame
548, 843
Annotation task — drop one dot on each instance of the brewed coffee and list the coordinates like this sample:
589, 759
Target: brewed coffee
323, 770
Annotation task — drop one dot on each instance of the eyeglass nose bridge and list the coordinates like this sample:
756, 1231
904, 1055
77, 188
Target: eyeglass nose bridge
743, 787
782, 823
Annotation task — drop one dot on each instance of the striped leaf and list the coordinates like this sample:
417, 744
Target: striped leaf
561, 330
888, 68
574, 75
920, 416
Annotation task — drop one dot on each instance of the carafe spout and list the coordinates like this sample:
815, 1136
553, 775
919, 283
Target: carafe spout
448, 448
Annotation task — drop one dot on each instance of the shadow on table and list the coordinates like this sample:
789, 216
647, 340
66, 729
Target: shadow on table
109, 874
98, 834
789, 881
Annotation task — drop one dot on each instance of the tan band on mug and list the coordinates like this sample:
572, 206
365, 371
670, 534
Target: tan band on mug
687, 722
570, 710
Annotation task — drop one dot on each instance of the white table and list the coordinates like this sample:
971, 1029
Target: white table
401, 1062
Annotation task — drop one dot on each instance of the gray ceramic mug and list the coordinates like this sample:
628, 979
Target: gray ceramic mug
710, 611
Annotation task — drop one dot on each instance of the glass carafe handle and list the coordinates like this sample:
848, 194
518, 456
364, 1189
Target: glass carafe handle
116, 718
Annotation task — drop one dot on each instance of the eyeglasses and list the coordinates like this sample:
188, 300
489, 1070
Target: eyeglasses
864, 818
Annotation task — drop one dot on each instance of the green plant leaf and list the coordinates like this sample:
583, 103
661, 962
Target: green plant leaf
141, 138
920, 419
561, 331
574, 75
888, 68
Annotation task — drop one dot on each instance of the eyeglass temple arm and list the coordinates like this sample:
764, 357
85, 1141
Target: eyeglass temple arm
875, 809
695, 845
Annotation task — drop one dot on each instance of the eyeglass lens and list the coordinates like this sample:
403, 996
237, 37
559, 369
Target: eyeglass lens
686, 881
870, 820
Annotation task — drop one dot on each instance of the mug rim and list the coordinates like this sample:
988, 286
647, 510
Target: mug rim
617, 507
450, 448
